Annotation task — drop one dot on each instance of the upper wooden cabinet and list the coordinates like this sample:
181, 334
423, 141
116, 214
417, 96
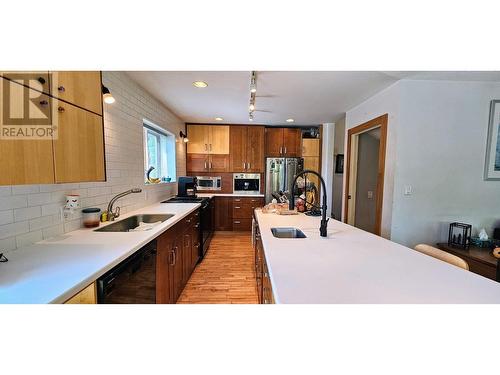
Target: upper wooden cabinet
83, 89
283, 142
79, 146
27, 161
211, 139
310, 147
74, 151
247, 149
38, 81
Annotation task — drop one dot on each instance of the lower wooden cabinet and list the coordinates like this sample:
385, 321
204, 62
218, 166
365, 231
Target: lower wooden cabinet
263, 280
175, 258
85, 296
235, 213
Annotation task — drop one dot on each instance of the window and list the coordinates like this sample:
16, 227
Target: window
159, 153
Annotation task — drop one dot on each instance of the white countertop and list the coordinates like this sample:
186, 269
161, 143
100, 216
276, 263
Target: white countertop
210, 195
354, 266
54, 270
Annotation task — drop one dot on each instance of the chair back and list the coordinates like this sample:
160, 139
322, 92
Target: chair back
442, 255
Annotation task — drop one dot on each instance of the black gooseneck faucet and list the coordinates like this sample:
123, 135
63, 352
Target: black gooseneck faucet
324, 220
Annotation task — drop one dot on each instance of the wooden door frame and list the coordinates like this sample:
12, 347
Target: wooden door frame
377, 122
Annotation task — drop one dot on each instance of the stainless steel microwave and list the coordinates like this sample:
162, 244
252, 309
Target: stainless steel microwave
209, 183
246, 183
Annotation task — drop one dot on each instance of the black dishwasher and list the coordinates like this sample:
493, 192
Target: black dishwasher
131, 281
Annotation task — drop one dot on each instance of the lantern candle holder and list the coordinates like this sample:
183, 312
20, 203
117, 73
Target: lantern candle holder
459, 235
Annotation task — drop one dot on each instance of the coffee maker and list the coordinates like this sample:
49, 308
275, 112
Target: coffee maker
186, 187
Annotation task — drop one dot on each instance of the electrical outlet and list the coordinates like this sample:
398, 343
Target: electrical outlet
370, 194
408, 190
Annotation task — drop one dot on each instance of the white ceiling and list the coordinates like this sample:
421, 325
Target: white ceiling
311, 98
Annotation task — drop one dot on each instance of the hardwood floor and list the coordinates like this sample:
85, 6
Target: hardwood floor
227, 273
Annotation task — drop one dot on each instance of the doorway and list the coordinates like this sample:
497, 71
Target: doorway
365, 169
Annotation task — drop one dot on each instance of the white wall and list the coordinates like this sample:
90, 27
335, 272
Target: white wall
338, 178
30, 213
327, 161
436, 143
441, 153
386, 101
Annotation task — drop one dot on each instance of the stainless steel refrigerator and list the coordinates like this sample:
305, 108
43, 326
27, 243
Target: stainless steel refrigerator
280, 173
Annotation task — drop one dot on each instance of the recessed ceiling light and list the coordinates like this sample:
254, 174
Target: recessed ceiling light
290, 120
200, 84
219, 119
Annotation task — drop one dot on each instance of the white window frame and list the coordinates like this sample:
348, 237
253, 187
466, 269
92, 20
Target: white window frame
166, 151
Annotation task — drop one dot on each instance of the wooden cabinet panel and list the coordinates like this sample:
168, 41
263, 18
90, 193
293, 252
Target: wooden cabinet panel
218, 139
224, 213
195, 250
197, 162
85, 296
242, 225
198, 139
83, 89
164, 268
187, 249
274, 142
177, 268
292, 141
36, 80
313, 164
27, 161
79, 147
219, 163
310, 147
238, 149
255, 149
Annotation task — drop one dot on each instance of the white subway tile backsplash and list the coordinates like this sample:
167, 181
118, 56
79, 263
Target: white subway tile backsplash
18, 201
14, 229
22, 214
39, 199
6, 217
37, 207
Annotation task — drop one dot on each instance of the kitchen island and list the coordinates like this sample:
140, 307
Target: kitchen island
354, 266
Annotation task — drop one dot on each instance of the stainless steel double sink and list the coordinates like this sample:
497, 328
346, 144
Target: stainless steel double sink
132, 222
288, 233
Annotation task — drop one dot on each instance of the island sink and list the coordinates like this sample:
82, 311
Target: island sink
288, 233
132, 222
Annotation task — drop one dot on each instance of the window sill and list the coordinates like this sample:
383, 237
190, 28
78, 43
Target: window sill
146, 183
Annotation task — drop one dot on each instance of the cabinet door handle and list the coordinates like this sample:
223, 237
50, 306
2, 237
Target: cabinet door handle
172, 257
188, 221
205, 164
281, 150
61, 89
237, 222
197, 225
41, 80
210, 164
285, 150
237, 207
60, 109
244, 165
210, 147
206, 147
248, 165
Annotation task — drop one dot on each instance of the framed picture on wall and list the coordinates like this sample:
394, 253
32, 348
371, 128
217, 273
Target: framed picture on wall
492, 163
339, 163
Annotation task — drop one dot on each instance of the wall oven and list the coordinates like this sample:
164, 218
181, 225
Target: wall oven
209, 183
246, 183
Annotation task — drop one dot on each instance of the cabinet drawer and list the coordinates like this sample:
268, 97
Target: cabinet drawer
243, 225
242, 211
